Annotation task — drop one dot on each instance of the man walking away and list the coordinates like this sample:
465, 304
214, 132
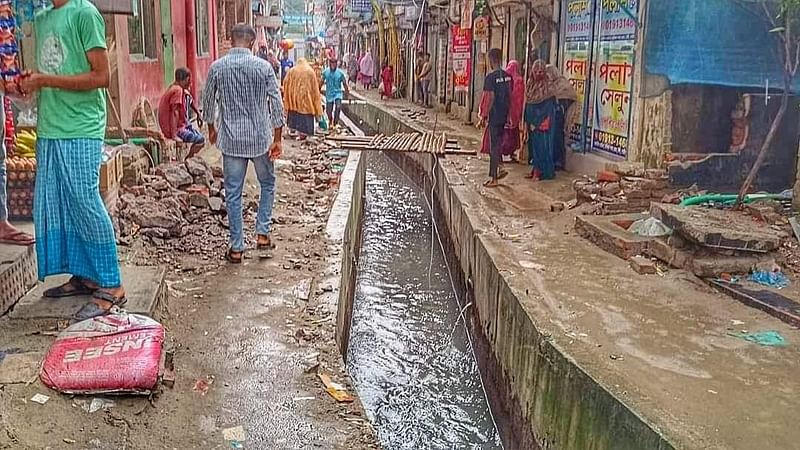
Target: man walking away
425, 79
173, 113
497, 87
301, 99
244, 90
335, 82
9, 234
75, 233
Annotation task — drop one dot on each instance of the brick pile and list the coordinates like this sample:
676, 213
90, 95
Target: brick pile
623, 188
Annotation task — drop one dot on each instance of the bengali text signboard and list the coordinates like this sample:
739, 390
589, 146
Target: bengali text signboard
607, 81
613, 77
462, 57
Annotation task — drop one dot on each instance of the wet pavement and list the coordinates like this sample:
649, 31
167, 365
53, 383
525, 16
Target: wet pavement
661, 344
409, 355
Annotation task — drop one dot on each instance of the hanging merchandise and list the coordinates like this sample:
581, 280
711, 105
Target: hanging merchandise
21, 146
286, 44
381, 36
26, 10
395, 57
9, 51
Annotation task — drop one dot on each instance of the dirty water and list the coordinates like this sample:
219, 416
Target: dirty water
409, 355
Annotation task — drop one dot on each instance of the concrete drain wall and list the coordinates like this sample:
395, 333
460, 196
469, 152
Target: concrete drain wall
540, 396
350, 244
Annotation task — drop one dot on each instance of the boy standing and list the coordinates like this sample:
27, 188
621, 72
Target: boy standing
497, 86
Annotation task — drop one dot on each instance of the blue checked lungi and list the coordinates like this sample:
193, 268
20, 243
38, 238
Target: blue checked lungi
74, 233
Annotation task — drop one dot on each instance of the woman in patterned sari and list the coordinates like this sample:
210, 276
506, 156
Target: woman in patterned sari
540, 118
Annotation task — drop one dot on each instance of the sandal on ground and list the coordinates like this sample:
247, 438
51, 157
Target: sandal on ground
72, 288
264, 242
234, 257
491, 184
502, 175
534, 175
18, 238
93, 309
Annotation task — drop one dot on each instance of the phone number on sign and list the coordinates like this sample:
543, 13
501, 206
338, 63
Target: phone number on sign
610, 142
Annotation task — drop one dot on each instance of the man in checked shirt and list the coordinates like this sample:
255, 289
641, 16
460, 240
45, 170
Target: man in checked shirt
244, 112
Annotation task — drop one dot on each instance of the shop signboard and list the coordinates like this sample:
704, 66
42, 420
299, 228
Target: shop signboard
481, 28
128, 7
613, 77
607, 81
576, 69
462, 57
578, 24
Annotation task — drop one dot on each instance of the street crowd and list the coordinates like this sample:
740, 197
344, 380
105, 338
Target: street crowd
248, 98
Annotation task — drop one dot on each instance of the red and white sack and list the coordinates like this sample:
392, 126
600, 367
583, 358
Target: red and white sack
118, 353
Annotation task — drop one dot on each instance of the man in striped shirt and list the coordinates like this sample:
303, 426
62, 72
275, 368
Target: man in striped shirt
243, 108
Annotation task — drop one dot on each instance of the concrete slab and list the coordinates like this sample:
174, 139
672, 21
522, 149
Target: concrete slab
717, 228
17, 271
145, 288
20, 367
768, 301
610, 233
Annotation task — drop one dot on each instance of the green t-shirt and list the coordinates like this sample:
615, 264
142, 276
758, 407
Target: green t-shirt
63, 36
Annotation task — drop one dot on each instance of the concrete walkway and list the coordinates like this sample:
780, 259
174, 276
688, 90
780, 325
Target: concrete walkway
661, 345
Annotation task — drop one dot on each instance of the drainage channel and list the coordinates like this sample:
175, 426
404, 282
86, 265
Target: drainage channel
409, 354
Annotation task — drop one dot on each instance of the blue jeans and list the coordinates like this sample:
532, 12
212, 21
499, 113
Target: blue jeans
3, 196
234, 170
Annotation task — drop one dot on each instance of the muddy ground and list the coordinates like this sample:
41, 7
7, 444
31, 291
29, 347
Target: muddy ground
242, 330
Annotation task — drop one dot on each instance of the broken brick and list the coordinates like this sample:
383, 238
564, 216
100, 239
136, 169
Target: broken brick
642, 265
605, 176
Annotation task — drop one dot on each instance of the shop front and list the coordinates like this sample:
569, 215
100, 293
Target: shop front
598, 56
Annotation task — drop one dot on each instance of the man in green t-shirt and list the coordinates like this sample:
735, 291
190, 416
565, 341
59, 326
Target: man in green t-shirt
74, 231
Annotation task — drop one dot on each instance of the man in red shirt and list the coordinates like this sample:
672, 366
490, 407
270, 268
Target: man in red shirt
173, 113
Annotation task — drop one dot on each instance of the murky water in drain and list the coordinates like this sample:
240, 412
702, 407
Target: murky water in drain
417, 377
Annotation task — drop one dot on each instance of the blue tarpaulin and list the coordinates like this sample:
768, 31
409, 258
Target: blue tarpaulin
718, 42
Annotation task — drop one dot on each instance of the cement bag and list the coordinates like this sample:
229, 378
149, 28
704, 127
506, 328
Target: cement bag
117, 353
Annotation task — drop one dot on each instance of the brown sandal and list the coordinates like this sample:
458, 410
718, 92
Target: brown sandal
264, 242
234, 257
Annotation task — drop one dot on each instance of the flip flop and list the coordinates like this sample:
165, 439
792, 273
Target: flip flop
502, 175
78, 288
18, 238
91, 309
491, 184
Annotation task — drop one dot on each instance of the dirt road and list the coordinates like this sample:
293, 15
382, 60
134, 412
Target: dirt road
244, 331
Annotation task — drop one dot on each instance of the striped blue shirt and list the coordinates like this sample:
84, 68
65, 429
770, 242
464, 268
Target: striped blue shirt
243, 99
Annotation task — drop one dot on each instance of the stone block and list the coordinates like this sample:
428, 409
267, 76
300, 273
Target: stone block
145, 289
711, 266
642, 265
714, 228
611, 237
664, 251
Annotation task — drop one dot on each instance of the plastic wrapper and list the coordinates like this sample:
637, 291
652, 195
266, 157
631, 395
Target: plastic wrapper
650, 227
117, 353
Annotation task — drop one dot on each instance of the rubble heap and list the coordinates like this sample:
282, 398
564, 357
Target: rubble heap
623, 188
710, 241
176, 201
179, 207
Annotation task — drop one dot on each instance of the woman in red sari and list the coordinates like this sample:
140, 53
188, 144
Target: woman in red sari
517, 107
387, 79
